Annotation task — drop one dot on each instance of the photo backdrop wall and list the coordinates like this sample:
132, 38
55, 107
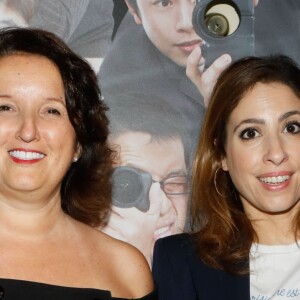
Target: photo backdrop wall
157, 63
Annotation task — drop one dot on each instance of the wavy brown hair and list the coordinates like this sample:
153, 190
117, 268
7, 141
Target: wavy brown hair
224, 233
86, 188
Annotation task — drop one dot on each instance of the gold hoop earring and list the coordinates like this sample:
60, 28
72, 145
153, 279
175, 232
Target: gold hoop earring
215, 182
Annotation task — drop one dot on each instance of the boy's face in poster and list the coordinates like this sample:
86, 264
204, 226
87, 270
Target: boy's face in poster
168, 24
167, 213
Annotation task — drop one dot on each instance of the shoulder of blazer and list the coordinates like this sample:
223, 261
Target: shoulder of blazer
181, 272
171, 268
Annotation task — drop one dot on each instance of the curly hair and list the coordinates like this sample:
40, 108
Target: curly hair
86, 188
224, 232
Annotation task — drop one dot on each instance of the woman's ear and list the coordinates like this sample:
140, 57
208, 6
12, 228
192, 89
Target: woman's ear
224, 160
134, 13
77, 153
224, 164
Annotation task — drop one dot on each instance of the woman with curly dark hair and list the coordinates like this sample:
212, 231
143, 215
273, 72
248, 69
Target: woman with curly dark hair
55, 172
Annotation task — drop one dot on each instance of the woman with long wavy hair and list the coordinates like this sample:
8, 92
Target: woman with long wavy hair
245, 192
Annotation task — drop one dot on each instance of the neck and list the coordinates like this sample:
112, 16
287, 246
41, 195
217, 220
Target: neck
30, 217
275, 229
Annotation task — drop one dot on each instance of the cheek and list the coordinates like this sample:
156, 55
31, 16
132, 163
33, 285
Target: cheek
158, 32
241, 159
180, 205
63, 138
242, 172
240, 164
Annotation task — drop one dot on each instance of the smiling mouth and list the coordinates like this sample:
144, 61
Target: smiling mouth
274, 179
24, 155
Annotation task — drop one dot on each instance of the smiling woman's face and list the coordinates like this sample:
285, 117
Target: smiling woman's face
262, 150
37, 140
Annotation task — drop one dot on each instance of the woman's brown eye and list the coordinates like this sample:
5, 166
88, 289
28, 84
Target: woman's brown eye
53, 111
4, 107
292, 127
249, 133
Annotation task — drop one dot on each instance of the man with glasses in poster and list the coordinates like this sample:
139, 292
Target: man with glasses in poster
150, 181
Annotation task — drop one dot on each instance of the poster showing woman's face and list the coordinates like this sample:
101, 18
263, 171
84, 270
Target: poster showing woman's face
157, 63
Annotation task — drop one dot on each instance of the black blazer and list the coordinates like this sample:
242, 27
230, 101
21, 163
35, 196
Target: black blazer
181, 275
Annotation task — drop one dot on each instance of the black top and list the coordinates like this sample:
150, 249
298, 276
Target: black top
13, 289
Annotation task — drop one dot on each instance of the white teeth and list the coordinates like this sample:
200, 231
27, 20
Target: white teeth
275, 180
24, 155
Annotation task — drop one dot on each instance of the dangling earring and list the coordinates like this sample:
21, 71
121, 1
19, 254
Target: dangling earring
215, 182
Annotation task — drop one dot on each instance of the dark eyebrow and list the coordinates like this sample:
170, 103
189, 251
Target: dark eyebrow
57, 99
262, 122
60, 99
288, 114
249, 121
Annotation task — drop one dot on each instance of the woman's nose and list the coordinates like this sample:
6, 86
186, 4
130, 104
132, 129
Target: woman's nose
28, 129
275, 151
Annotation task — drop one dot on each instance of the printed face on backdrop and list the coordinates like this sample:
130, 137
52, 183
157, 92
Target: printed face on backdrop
167, 213
262, 150
37, 140
168, 24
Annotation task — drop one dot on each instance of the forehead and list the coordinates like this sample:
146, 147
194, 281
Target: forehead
26, 74
158, 157
266, 99
27, 61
